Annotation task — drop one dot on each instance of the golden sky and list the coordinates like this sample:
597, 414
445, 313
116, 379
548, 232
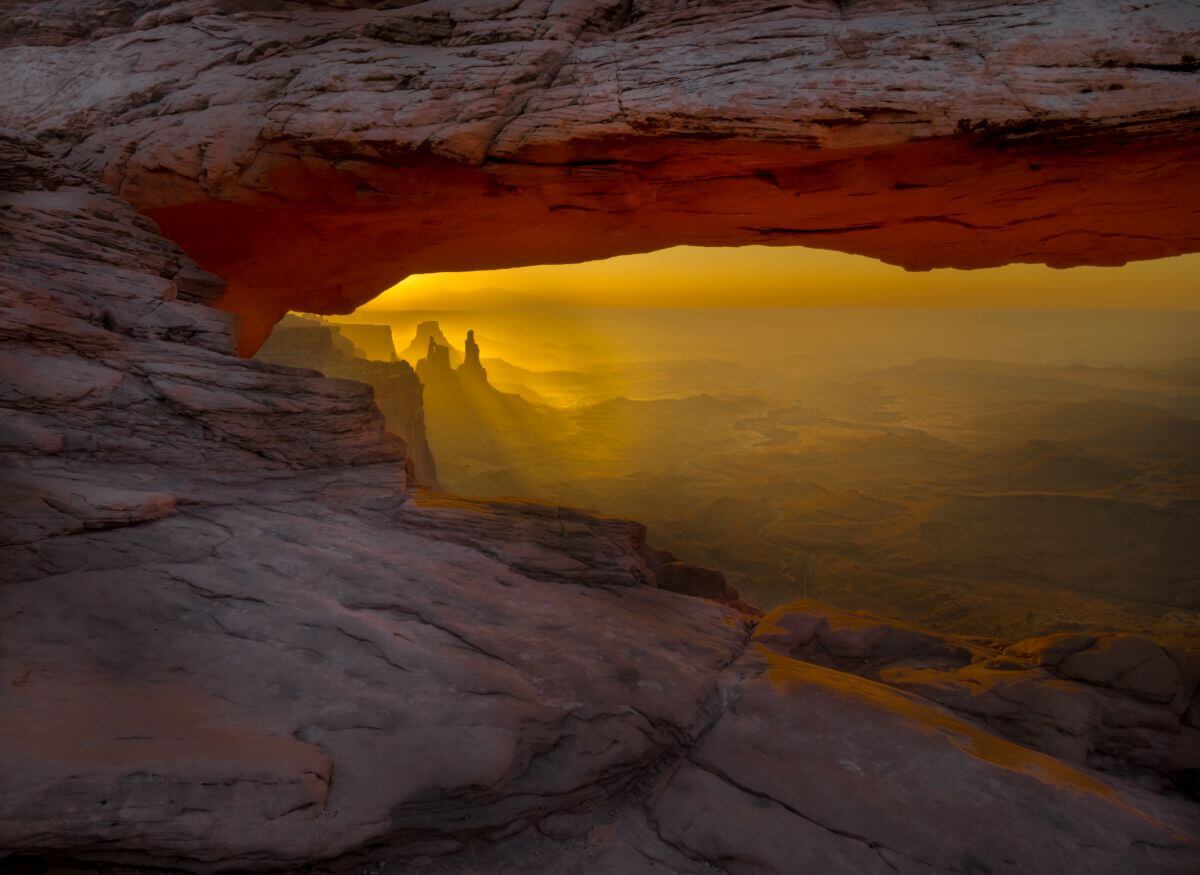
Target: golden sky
749, 276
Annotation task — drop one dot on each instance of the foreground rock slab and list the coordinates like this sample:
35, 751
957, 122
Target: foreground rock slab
291, 679
815, 770
1114, 702
232, 638
804, 768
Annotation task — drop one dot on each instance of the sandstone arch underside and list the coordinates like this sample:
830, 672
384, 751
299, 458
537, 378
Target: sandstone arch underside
312, 156
234, 638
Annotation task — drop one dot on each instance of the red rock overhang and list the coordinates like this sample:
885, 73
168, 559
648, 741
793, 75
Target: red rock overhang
334, 232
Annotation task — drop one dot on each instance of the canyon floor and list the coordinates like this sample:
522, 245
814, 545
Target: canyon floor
883, 470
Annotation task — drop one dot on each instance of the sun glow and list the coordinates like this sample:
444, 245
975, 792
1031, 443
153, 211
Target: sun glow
765, 276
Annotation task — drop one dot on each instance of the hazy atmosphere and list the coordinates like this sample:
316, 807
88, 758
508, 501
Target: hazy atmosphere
796, 276
998, 471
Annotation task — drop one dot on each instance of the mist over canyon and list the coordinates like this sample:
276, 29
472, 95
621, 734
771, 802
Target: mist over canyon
289, 585
1045, 484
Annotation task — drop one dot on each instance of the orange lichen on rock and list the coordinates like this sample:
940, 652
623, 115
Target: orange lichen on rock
922, 717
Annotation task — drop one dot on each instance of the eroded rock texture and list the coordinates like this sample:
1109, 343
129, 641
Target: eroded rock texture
234, 640
327, 348
313, 156
231, 640
1118, 703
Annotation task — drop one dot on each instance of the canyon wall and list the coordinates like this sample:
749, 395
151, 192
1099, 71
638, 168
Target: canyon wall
397, 391
121, 394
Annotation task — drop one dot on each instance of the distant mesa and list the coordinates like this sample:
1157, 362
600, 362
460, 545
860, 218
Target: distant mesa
352, 339
312, 338
375, 341
419, 348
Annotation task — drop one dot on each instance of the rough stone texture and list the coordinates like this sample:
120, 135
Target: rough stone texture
814, 770
675, 575
120, 393
1118, 703
299, 675
232, 637
310, 344
807, 769
232, 640
312, 156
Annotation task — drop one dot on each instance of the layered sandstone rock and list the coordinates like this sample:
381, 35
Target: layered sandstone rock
310, 344
313, 155
1117, 703
123, 399
232, 640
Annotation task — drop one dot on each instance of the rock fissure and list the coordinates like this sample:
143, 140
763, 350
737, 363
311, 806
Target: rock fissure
861, 839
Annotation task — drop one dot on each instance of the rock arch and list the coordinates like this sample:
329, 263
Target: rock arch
232, 641
312, 156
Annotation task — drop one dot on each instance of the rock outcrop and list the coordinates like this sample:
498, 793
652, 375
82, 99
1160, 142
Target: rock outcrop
122, 396
314, 155
435, 366
320, 346
234, 640
760, 793
375, 341
675, 575
1117, 703
471, 367
419, 347
467, 417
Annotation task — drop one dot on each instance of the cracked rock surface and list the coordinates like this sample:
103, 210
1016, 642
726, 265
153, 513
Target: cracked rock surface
313, 154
